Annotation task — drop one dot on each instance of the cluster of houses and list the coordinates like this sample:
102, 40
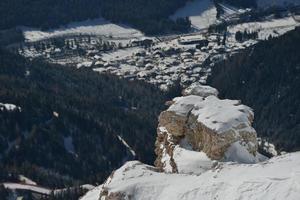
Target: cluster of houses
186, 58
72, 49
158, 65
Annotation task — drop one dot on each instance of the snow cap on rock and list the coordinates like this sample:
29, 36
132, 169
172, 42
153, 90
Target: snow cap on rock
200, 90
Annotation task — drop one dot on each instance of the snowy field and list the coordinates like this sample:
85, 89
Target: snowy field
278, 178
202, 13
98, 26
274, 27
31, 186
120, 54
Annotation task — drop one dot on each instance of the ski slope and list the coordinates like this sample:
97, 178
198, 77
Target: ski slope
202, 13
273, 27
98, 27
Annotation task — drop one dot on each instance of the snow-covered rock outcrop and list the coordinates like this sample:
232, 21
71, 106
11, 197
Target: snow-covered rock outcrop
277, 178
206, 149
200, 90
202, 123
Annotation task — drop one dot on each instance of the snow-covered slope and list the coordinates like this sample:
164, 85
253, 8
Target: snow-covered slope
274, 27
278, 178
191, 162
98, 26
202, 13
30, 186
26, 187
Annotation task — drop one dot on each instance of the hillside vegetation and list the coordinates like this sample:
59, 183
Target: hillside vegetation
151, 16
68, 128
239, 3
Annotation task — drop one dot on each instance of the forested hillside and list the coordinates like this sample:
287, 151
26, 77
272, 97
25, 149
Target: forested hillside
70, 122
151, 16
239, 3
267, 78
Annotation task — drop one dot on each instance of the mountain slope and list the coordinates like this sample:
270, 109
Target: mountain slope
151, 16
277, 178
72, 125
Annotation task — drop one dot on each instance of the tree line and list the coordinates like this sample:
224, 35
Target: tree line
60, 102
150, 16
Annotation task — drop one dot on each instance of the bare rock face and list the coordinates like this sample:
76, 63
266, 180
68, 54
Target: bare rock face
175, 124
219, 128
165, 144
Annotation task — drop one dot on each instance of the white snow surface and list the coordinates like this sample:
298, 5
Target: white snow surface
120, 54
90, 195
202, 13
214, 113
19, 186
97, 26
31, 186
26, 180
191, 162
239, 153
274, 27
200, 90
9, 107
183, 105
126, 145
277, 178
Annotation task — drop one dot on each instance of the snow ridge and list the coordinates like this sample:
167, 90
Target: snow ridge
227, 181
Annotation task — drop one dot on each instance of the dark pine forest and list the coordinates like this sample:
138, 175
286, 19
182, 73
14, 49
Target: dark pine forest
150, 16
60, 102
267, 78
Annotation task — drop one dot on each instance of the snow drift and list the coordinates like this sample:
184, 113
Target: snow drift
277, 178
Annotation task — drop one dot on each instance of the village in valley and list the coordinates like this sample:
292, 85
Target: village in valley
161, 60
